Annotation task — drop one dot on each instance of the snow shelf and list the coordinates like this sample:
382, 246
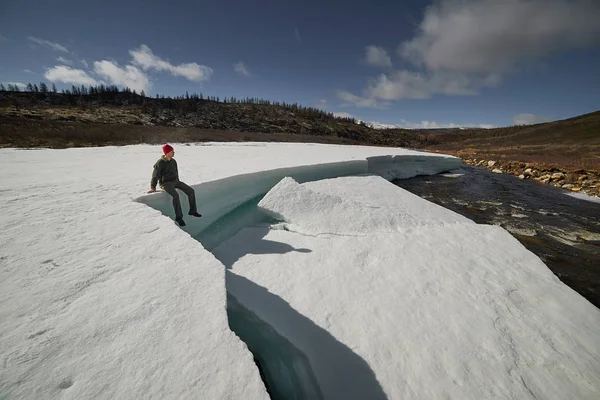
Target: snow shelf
220, 197
390, 296
104, 297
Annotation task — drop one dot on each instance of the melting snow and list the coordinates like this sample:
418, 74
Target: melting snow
400, 298
584, 196
103, 297
385, 294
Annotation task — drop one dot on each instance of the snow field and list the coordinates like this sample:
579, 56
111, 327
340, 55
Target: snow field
432, 308
103, 297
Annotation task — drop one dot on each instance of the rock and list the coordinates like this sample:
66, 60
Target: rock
558, 175
546, 176
497, 171
491, 163
528, 171
576, 189
582, 178
567, 186
521, 176
545, 180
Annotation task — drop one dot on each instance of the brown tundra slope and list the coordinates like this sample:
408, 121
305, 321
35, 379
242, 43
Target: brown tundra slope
563, 153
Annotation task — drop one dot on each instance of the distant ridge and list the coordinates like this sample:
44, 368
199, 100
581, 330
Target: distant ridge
79, 118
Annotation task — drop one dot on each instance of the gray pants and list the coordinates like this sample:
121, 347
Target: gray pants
170, 187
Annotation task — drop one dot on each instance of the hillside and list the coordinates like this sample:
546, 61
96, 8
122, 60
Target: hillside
101, 116
61, 120
250, 115
573, 143
574, 140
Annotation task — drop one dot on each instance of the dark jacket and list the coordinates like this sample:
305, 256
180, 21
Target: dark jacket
164, 171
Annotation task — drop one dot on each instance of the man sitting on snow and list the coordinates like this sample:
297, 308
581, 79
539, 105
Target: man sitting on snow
165, 173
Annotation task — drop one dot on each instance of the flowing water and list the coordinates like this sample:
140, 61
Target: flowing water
562, 230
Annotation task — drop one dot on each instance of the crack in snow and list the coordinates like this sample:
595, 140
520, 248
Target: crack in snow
527, 387
291, 228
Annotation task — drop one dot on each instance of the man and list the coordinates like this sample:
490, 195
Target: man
165, 173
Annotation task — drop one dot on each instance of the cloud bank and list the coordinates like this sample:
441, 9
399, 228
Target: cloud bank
133, 75
68, 75
530, 119
145, 59
463, 46
48, 44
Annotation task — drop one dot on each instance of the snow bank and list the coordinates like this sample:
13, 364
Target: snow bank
409, 165
316, 213
103, 297
221, 196
584, 196
404, 309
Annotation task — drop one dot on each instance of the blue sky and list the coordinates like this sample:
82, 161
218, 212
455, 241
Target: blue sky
410, 63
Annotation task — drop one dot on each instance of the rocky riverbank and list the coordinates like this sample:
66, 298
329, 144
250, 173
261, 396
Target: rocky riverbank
586, 181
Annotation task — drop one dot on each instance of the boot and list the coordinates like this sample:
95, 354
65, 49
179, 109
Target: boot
180, 221
194, 213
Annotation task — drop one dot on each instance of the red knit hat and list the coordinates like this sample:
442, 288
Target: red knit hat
167, 148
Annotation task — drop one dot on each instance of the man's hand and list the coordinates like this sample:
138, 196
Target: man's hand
152, 190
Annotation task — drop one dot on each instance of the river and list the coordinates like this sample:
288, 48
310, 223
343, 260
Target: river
561, 230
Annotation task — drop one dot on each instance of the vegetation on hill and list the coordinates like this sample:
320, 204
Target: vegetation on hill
186, 110
48, 118
106, 115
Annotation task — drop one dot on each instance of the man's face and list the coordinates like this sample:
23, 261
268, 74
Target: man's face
171, 154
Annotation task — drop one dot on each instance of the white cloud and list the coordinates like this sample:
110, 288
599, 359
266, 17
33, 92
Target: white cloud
64, 60
378, 57
358, 101
29, 72
405, 84
321, 103
463, 46
20, 85
484, 36
436, 125
145, 59
414, 85
426, 125
241, 69
402, 84
51, 45
64, 74
130, 76
529, 119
